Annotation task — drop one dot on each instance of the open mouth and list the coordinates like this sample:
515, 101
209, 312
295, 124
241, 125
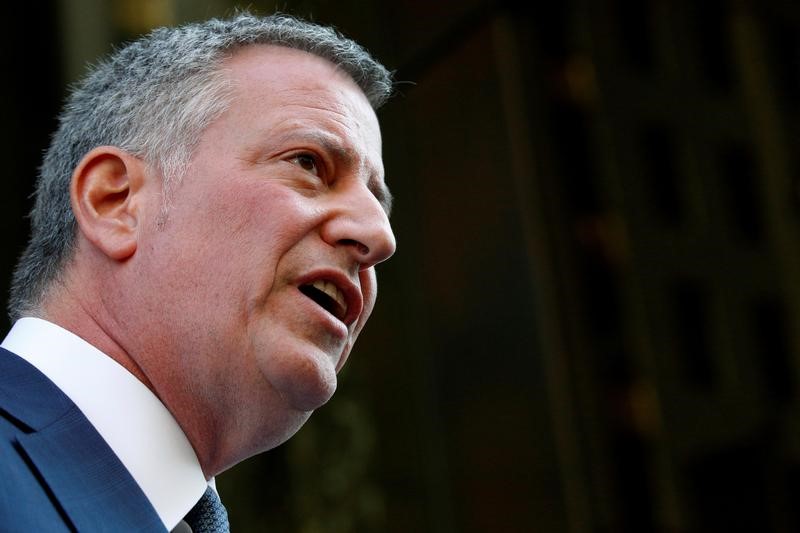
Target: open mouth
328, 296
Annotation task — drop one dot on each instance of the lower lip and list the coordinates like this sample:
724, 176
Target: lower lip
332, 324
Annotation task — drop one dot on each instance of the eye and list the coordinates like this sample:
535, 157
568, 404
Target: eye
307, 162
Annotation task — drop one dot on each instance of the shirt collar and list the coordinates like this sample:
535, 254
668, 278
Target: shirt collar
132, 420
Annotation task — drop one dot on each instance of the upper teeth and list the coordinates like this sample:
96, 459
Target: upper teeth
331, 290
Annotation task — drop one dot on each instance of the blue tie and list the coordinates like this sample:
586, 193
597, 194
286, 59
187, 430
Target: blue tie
208, 515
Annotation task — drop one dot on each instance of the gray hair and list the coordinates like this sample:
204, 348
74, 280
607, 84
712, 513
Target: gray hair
154, 98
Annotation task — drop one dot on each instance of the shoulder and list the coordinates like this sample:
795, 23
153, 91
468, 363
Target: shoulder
56, 472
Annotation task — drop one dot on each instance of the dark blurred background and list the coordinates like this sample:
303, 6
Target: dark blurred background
592, 323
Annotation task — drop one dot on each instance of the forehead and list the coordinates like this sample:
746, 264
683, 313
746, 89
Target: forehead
285, 87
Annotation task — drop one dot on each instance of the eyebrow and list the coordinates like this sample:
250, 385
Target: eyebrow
376, 186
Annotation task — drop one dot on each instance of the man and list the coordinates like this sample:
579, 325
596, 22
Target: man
207, 222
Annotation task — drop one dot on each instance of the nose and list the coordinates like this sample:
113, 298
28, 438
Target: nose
360, 224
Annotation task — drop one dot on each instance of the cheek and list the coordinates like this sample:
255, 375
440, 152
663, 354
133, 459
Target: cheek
253, 225
270, 215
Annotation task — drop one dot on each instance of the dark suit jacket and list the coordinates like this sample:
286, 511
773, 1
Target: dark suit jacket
56, 472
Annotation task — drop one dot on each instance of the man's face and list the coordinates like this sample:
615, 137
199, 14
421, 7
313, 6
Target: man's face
263, 275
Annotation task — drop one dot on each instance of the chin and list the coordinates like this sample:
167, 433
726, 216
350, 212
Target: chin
304, 381
309, 394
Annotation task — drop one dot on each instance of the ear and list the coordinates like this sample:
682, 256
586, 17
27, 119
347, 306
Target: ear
105, 193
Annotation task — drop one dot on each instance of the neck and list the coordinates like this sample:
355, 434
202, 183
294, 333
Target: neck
73, 317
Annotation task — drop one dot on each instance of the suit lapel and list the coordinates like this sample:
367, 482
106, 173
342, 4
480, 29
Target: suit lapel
90, 484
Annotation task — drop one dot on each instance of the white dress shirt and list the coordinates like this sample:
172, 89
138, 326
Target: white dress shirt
131, 419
